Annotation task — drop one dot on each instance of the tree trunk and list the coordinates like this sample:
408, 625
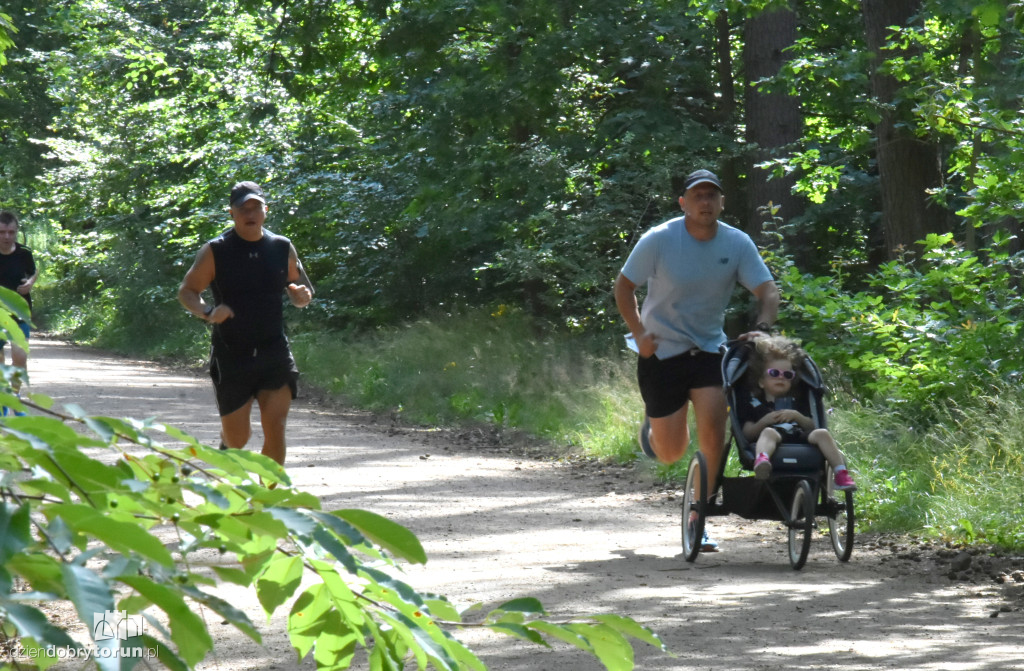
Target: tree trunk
773, 118
908, 166
731, 168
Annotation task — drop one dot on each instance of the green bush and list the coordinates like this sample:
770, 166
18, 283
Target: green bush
922, 333
86, 517
954, 474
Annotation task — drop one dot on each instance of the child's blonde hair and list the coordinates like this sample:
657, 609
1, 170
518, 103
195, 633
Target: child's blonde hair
775, 347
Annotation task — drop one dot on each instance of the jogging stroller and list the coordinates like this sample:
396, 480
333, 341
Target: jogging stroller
801, 484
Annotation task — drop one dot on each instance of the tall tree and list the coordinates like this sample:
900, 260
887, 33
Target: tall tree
536, 138
727, 109
973, 104
25, 109
909, 163
774, 122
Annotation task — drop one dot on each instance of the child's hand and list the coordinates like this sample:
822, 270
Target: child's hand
781, 416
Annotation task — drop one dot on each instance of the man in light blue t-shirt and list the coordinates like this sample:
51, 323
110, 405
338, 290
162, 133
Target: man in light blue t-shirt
691, 265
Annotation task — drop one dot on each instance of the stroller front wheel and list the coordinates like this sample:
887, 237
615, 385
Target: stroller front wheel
801, 524
695, 506
840, 517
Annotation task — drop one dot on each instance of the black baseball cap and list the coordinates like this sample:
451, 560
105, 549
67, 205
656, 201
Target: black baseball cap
701, 177
244, 191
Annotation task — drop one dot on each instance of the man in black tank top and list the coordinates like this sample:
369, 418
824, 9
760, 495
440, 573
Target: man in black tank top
248, 270
17, 273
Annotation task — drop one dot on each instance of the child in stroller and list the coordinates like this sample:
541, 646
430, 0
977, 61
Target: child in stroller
772, 413
800, 486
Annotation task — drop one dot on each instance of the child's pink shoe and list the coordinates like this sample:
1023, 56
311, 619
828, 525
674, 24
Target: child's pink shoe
844, 482
762, 467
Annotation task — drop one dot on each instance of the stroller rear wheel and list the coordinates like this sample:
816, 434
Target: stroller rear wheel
695, 506
840, 517
801, 524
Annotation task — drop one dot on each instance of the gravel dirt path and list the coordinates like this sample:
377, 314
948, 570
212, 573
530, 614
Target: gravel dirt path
500, 518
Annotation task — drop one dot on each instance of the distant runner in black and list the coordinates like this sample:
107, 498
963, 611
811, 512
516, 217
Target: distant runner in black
17, 273
249, 270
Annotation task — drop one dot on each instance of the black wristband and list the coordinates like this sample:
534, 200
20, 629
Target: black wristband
763, 326
208, 311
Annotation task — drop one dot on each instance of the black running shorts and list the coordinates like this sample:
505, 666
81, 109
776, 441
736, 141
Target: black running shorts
237, 380
665, 384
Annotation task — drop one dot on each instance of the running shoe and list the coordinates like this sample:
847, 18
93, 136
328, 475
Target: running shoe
644, 438
844, 481
762, 467
707, 544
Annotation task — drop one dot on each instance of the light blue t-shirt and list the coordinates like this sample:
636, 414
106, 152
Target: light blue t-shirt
690, 282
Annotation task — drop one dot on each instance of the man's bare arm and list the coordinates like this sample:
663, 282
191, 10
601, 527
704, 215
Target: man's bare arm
300, 289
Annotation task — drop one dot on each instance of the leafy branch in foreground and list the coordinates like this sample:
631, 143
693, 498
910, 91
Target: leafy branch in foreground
110, 519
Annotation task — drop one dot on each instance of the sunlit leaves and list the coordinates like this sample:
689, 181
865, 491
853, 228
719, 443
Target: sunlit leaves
89, 520
6, 28
278, 582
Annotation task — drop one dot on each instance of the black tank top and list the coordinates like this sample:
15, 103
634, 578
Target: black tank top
17, 266
250, 278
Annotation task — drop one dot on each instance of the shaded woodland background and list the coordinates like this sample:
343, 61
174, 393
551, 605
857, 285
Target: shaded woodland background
435, 156
464, 180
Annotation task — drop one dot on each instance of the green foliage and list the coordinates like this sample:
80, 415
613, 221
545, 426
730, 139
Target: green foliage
431, 156
90, 517
438, 156
155, 120
6, 28
921, 334
421, 157
491, 367
13, 306
953, 475
937, 466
